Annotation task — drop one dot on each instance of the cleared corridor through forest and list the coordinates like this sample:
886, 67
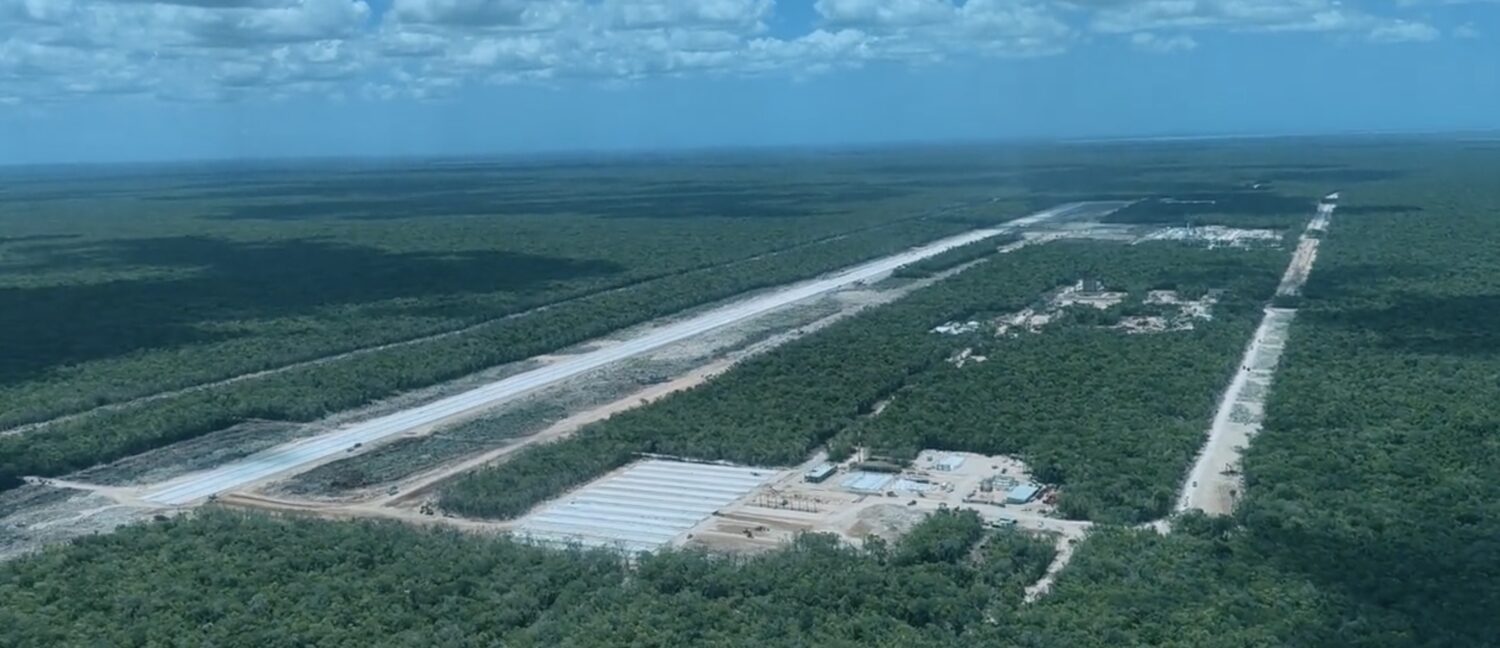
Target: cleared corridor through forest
290, 456
1215, 483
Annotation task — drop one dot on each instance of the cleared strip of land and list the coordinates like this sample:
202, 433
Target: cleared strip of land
27, 428
286, 457
1214, 483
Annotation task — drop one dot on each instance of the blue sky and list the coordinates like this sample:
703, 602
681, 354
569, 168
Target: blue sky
113, 80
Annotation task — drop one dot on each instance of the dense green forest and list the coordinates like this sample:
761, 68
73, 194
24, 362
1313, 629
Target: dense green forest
1370, 516
1376, 474
1198, 587
228, 579
1243, 207
195, 303
194, 275
1114, 418
197, 274
310, 392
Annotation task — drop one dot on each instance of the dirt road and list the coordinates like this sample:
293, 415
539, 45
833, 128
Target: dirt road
1215, 482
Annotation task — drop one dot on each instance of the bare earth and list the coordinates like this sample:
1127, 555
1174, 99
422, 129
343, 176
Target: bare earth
771, 516
97, 508
1215, 484
312, 362
1215, 481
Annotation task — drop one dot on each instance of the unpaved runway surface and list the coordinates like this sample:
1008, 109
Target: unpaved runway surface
1301, 266
1214, 483
1307, 252
283, 458
411, 489
353, 353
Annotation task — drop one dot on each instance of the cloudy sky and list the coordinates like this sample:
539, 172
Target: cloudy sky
104, 80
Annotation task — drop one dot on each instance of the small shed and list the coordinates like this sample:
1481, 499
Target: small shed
1022, 494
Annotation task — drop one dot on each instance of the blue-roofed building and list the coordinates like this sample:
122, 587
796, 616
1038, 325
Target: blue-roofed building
1022, 494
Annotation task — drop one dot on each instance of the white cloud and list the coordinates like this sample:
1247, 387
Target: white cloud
817, 52
471, 13
615, 39
651, 14
885, 13
1137, 17
1270, 15
1402, 31
927, 30
1318, 16
1163, 45
1013, 28
231, 49
631, 39
17, 12
514, 53
198, 50
1466, 30
304, 21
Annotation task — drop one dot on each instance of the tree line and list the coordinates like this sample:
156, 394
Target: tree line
1369, 516
1374, 475
179, 297
953, 258
1112, 419
1079, 402
310, 393
232, 579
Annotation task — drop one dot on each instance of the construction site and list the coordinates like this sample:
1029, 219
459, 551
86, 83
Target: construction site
1214, 236
1178, 314
656, 502
659, 502
1170, 312
856, 499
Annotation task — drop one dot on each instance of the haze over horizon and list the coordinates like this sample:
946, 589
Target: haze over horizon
154, 80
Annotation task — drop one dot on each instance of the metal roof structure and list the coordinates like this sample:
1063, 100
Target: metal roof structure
821, 471
1022, 493
643, 507
866, 482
